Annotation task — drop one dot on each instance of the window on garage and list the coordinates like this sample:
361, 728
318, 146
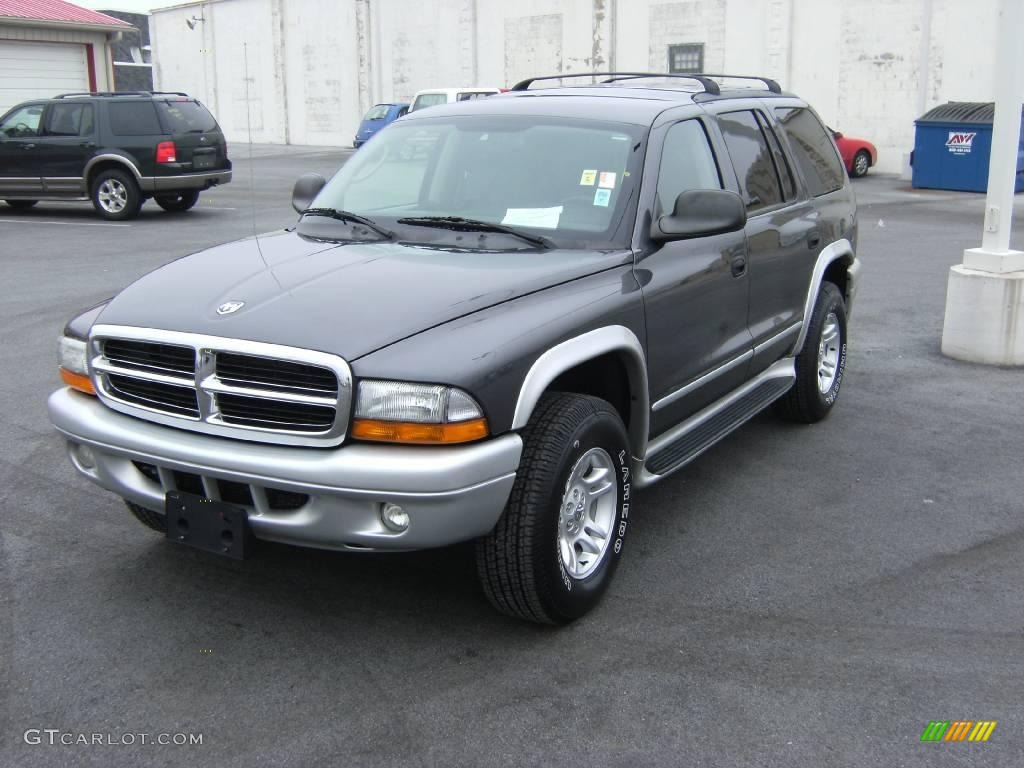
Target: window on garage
686, 58
69, 120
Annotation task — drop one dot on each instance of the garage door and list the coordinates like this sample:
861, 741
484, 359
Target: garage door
33, 70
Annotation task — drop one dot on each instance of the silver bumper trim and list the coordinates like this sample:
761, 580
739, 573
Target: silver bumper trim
451, 494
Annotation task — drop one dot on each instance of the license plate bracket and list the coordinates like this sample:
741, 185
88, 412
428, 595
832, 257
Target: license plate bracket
200, 162
207, 524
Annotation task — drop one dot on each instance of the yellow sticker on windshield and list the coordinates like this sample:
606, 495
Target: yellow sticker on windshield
607, 180
588, 178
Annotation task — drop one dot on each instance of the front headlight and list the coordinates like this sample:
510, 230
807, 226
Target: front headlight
427, 414
73, 364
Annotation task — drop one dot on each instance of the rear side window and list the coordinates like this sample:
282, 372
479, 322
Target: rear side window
686, 163
185, 117
752, 160
428, 100
813, 150
471, 95
69, 120
133, 118
781, 163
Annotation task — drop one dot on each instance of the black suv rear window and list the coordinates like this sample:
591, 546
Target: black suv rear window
186, 117
813, 150
133, 118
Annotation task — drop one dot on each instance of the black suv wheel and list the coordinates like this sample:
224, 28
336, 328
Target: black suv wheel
179, 201
556, 546
115, 195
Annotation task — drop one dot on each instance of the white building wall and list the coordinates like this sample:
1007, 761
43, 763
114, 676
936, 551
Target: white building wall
868, 66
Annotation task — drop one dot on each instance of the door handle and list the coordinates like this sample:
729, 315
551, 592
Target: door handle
88, 144
813, 240
28, 146
739, 266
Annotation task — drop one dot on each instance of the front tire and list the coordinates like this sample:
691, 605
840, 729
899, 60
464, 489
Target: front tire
177, 202
116, 196
861, 163
822, 361
148, 518
21, 205
555, 548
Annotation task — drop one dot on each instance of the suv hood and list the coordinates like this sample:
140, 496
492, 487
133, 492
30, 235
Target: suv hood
348, 299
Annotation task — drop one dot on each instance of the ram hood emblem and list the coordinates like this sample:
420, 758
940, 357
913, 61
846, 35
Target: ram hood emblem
230, 306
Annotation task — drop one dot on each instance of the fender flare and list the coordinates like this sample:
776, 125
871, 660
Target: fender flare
121, 159
834, 251
570, 353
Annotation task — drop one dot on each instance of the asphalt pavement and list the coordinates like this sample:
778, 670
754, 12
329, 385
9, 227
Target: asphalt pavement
799, 596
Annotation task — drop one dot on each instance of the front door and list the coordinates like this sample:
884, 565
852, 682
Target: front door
19, 159
695, 292
65, 145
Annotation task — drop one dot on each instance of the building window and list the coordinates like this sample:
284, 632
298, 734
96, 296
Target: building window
686, 59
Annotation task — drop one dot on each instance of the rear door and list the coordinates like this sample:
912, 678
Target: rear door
198, 140
782, 232
66, 143
20, 173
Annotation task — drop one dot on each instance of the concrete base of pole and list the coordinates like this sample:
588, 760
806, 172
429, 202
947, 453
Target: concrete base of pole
985, 313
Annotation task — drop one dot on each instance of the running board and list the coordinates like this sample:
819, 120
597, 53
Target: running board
683, 443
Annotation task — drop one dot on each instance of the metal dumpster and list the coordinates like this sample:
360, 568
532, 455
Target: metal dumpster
952, 145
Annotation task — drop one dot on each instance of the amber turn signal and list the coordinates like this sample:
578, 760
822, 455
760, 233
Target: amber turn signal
77, 381
419, 434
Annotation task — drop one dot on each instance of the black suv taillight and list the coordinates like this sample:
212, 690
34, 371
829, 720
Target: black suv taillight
166, 152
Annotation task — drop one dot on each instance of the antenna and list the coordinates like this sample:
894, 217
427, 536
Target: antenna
248, 127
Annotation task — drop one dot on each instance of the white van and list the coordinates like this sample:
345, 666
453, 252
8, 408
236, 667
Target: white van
434, 96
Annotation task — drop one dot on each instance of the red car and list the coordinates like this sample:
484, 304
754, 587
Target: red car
858, 154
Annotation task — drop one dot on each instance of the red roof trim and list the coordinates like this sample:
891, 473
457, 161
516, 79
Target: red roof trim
56, 10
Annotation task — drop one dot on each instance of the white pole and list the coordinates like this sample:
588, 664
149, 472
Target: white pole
1009, 89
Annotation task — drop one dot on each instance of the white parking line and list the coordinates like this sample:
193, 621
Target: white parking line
61, 223
215, 208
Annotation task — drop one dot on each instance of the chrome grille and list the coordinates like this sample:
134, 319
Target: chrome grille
249, 390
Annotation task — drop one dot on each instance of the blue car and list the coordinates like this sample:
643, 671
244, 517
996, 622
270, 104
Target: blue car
378, 116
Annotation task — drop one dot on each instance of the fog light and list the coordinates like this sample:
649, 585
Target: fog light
394, 517
85, 456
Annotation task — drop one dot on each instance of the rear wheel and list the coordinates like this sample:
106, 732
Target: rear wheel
148, 518
822, 361
179, 201
116, 196
21, 205
861, 163
555, 548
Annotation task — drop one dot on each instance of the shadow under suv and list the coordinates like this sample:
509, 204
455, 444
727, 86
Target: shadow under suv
117, 149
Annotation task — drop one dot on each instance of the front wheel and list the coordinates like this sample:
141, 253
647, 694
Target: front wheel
861, 163
178, 201
555, 548
821, 363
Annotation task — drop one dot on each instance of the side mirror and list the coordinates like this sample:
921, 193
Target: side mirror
837, 135
306, 189
701, 212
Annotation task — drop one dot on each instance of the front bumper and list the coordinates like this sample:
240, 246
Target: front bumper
451, 493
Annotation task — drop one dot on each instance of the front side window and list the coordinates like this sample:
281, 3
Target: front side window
687, 163
748, 148
22, 123
570, 180
813, 150
686, 59
69, 120
429, 100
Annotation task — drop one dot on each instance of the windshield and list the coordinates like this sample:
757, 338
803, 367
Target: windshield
568, 180
429, 100
378, 112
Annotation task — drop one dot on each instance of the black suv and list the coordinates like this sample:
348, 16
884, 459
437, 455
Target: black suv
498, 321
117, 149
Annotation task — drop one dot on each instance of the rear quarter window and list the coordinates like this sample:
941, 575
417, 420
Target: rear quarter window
186, 117
133, 118
813, 150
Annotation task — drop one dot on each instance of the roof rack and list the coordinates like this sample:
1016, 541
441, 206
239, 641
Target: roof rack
76, 94
709, 86
704, 78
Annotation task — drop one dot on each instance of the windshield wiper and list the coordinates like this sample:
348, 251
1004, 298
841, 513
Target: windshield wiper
351, 218
460, 224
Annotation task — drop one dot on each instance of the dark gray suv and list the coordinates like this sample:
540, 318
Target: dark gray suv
497, 321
